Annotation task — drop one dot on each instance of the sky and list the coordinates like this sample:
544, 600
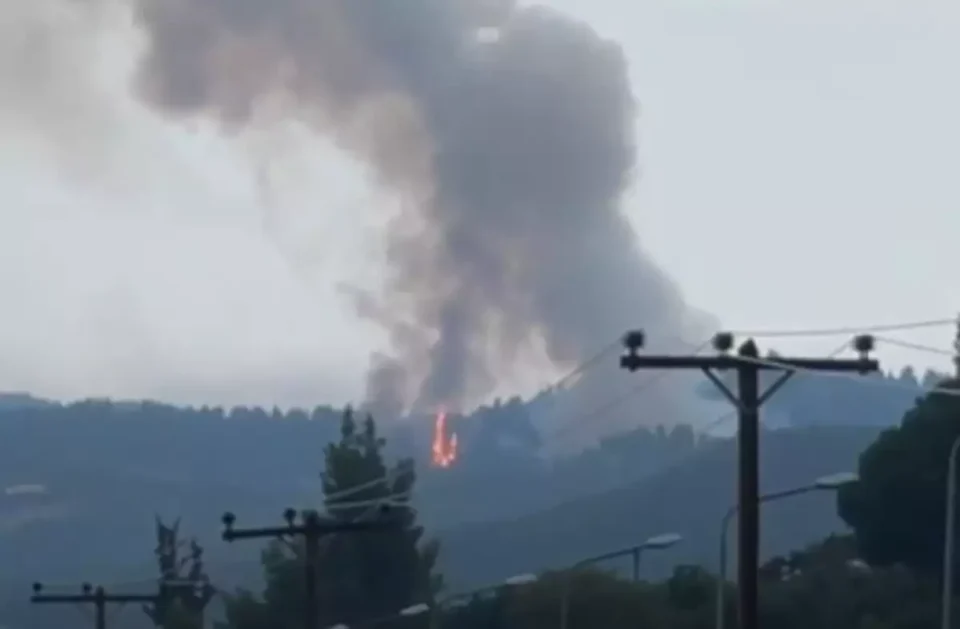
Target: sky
798, 170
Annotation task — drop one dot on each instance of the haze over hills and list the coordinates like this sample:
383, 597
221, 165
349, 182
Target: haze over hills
197, 463
85, 481
689, 498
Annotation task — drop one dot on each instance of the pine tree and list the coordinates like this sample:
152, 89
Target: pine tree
183, 580
362, 576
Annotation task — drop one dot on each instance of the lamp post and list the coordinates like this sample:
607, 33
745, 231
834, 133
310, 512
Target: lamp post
946, 604
946, 595
832, 482
657, 542
418, 609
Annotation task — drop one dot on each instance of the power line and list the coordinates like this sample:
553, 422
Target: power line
917, 346
881, 382
747, 401
578, 370
100, 598
587, 364
730, 414
849, 330
578, 420
390, 500
385, 479
604, 408
809, 332
311, 528
567, 426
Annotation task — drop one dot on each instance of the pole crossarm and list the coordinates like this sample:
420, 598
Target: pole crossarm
724, 362
747, 400
100, 598
120, 599
63, 598
319, 528
97, 595
311, 528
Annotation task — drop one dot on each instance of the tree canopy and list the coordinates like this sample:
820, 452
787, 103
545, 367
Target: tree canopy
185, 585
823, 586
883, 576
898, 507
364, 575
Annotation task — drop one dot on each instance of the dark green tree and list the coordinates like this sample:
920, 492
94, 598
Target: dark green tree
596, 599
362, 576
827, 586
691, 597
183, 580
897, 509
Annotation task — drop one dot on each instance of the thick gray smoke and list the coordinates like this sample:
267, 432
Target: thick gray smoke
508, 133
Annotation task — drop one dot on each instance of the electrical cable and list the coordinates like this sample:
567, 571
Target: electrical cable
884, 382
594, 359
850, 330
917, 346
333, 500
577, 420
587, 364
809, 332
567, 426
733, 413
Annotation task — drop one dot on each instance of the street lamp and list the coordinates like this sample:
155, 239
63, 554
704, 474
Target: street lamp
657, 542
418, 609
513, 581
520, 579
414, 610
831, 482
946, 603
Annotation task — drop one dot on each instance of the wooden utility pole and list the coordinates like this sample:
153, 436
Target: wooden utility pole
99, 597
748, 400
311, 527
956, 349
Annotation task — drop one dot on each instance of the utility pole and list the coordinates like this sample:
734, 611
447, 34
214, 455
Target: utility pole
311, 528
99, 597
956, 348
748, 401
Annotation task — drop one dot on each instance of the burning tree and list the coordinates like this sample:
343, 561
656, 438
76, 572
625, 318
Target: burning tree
444, 449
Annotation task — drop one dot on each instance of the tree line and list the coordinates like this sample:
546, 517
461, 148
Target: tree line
884, 574
59, 443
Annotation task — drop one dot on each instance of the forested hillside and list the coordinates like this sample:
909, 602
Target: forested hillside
98, 471
874, 400
689, 498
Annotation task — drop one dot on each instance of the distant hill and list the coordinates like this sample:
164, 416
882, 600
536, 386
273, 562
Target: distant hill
106, 468
689, 498
16, 401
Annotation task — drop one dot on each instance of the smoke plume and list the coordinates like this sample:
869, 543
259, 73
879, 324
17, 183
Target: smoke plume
508, 134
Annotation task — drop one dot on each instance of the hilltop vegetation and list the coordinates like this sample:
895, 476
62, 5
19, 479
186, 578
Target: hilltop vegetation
872, 400
689, 498
880, 574
109, 467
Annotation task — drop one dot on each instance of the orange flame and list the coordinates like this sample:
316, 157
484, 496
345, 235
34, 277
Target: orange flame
444, 448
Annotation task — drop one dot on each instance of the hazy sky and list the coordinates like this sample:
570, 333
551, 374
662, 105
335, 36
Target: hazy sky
799, 164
